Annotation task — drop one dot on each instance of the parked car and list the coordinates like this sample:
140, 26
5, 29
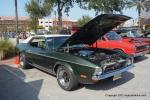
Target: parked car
115, 42
147, 34
134, 35
71, 60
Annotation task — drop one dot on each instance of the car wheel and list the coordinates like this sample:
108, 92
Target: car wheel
23, 63
66, 79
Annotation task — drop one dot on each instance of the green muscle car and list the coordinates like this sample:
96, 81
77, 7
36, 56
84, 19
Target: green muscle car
70, 58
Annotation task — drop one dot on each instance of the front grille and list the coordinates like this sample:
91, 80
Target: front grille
114, 67
140, 48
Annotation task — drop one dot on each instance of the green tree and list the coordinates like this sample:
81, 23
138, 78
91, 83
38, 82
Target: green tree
140, 5
62, 5
103, 6
82, 21
40, 27
37, 9
54, 29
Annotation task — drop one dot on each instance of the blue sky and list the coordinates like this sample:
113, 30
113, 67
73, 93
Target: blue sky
7, 9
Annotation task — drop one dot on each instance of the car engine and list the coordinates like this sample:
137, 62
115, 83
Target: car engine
109, 62
99, 57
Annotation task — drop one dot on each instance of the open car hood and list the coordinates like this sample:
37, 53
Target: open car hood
94, 29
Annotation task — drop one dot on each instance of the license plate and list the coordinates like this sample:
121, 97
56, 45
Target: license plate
116, 77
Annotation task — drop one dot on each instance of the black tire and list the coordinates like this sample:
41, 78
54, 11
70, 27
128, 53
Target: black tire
66, 79
23, 63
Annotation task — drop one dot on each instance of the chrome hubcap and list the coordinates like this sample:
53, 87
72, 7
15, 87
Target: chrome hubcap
63, 78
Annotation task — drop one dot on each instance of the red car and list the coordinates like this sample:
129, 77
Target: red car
132, 34
114, 41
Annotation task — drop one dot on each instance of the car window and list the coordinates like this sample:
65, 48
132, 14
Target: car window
55, 42
59, 40
126, 33
123, 34
37, 42
130, 34
136, 33
113, 36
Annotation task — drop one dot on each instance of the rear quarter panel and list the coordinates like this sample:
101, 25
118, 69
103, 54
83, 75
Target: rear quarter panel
22, 47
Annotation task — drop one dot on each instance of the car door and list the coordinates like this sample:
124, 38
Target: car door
45, 57
37, 52
32, 52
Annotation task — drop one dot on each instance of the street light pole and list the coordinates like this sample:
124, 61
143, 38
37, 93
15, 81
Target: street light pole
16, 13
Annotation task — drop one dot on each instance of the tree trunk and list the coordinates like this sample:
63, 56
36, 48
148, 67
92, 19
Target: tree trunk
35, 22
139, 20
59, 10
59, 18
16, 13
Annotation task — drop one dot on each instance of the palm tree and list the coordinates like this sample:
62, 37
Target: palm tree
16, 13
140, 5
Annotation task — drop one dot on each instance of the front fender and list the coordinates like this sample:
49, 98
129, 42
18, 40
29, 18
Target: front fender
64, 64
77, 70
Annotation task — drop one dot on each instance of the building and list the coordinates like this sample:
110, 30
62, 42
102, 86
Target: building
46, 23
51, 22
8, 23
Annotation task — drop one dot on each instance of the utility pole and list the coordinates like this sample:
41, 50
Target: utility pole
16, 13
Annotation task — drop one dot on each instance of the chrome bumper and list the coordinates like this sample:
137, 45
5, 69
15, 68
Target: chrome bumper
141, 53
104, 76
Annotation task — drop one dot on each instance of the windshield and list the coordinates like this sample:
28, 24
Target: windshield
55, 42
131, 33
135, 33
113, 36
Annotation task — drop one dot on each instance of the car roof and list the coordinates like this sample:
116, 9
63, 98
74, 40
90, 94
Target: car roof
46, 36
51, 35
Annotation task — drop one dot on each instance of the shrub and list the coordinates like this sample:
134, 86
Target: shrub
7, 49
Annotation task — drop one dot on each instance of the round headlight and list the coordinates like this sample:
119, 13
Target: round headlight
98, 71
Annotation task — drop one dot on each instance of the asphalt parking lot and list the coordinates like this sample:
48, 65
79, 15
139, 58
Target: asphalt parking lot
33, 84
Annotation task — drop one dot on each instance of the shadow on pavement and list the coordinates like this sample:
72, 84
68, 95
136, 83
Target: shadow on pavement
13, 87
140, 59
109, 84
